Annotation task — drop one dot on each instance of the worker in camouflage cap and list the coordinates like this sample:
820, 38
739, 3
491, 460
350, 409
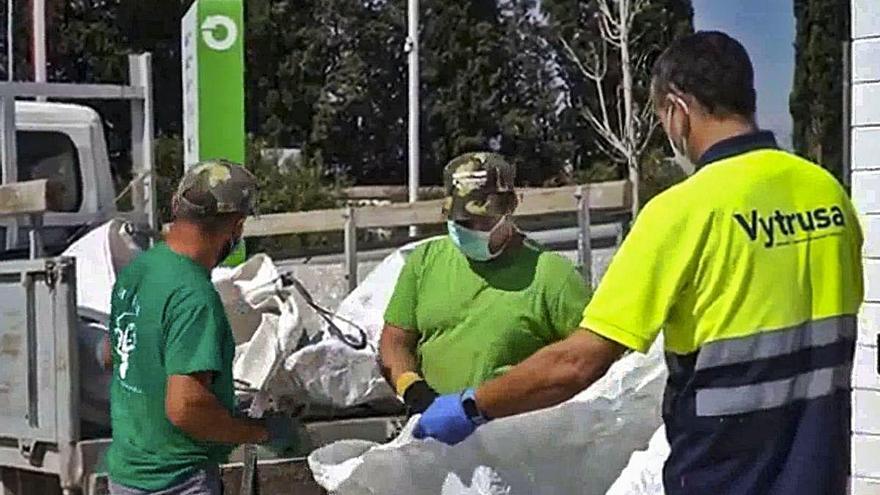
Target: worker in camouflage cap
173, 393
479, 201
469, 305
479, 184
214, 188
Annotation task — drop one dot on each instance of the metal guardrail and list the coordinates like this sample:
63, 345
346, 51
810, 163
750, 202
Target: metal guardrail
602, 196
580, 199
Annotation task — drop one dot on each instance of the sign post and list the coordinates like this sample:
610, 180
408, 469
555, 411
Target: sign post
212, 48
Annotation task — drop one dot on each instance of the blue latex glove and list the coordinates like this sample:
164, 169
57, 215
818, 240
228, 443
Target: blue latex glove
445, 420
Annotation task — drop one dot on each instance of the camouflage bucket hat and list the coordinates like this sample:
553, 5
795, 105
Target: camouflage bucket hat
478, 184
216, 187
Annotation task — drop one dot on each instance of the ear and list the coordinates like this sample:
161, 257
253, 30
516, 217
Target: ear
239, 225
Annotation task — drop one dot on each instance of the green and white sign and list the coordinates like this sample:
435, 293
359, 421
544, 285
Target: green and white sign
212, 49
213, 81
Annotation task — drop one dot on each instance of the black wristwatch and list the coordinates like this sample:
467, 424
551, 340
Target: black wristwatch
469, 404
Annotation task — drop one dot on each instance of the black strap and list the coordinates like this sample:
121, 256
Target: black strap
357, 343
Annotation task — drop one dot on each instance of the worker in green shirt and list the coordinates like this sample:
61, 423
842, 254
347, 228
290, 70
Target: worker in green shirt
472, 304
172, 394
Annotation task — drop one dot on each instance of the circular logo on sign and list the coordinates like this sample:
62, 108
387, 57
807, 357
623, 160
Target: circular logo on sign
219, 32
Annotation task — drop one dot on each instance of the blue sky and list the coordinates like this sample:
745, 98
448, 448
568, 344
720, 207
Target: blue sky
767, 29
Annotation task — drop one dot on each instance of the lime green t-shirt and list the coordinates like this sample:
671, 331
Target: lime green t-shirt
477, 319
166, 319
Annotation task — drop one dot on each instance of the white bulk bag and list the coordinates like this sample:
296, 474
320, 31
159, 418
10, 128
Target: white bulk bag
644, 473
578, 447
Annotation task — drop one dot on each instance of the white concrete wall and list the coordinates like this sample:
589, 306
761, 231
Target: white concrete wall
866, 195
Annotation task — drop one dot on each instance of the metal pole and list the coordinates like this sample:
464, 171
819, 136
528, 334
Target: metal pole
140, 73
412, 47
8, 160
585, 249
350, 243
39, 41
10, 52
846, 116
35, 237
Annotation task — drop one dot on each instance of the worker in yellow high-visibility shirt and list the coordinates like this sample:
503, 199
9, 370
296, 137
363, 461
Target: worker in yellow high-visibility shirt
751, 268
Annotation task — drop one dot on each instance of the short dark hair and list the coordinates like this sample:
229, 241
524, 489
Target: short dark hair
713, 68
210, 224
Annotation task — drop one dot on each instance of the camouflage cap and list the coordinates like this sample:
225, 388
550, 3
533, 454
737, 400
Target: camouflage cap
478, 184
216, 187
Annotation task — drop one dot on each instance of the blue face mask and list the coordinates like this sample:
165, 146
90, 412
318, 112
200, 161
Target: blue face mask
472, 243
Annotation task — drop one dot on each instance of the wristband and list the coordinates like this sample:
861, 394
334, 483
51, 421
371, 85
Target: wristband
405, 380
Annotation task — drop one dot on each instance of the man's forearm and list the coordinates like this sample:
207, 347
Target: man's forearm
191, 406
397, 363
396, 354
550, 376
213, 423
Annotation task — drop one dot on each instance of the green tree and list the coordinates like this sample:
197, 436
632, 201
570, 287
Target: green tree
488, 84
574, 35
359, 124
816, 98
287, 55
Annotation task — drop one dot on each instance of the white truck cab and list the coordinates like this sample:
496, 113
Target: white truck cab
65, 143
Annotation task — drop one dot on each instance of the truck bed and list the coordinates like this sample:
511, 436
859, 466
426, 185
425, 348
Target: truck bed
275, 476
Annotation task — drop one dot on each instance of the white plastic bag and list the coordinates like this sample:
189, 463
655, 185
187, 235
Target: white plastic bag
330, 373
247, 292
258, 360
578, 447
644, 473
100, 255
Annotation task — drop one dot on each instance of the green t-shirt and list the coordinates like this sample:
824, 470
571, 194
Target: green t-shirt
166, 319
477, 319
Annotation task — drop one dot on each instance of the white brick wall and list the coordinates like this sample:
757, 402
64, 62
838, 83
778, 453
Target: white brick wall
863, 52
866, 19
866, 146
866, 195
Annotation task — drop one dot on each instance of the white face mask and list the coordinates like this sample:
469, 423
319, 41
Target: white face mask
680, 156
475, 243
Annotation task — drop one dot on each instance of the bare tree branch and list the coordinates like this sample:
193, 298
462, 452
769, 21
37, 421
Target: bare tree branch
625, 136
609, 33
599, 64
608, 16
612, 153
649, 127
602, 125
621, 118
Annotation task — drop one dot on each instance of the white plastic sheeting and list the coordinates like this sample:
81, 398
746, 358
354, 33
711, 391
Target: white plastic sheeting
100, 255
644, 473
330, 373
249, 293
578, 447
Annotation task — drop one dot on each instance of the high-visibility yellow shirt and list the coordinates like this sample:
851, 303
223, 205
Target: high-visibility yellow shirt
752, 270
